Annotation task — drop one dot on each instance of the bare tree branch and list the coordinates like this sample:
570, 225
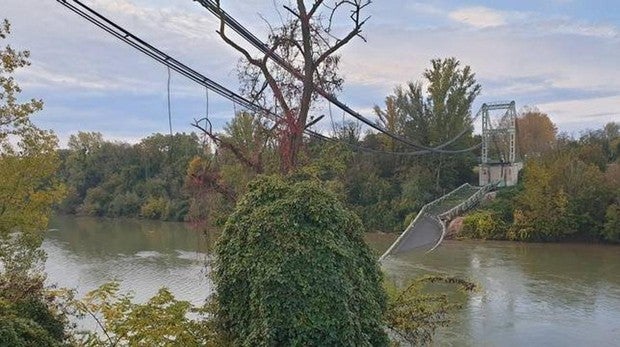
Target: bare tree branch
255, 165
292, 11
358, 6
314, 8
232, 43
275, 6
302, 54
256, 62
266, 22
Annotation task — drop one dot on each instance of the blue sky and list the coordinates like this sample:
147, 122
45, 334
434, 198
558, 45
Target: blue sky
562, 56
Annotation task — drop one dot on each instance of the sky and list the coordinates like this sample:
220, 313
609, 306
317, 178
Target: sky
560, 56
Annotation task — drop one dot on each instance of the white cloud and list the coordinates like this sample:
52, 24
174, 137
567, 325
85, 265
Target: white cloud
479, 17
40, 76
188, 25
88, 60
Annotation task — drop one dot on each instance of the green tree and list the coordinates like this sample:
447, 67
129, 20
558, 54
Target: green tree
28, 163
28, 189
542, 213
80, 168
392, 120
562, 197
437, 116
292, 269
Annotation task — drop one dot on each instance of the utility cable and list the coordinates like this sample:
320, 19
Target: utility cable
213, 7
169, 105
149, 50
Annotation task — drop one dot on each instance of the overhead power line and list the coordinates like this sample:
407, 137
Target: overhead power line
134, 41
214, 7
151, 51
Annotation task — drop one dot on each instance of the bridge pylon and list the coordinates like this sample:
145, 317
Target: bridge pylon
499, 161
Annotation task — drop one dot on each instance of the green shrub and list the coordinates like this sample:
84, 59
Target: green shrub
177, 210
483, 225
292, 269
155, 208
426, 304
29, 314
127, 205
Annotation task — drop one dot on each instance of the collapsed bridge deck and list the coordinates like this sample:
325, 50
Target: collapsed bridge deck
428, 229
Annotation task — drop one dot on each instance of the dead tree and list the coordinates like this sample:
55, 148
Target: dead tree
309, 46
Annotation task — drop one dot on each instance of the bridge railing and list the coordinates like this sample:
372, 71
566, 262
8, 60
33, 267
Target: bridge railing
466, 205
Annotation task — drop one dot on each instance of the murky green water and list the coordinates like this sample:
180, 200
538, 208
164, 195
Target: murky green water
532, 294
84, 253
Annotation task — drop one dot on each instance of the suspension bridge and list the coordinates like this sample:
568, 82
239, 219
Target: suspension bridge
499, 167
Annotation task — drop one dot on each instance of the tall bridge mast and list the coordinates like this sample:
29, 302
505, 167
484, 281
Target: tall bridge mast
499, 161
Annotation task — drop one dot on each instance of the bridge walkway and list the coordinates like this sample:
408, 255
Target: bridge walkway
427, 230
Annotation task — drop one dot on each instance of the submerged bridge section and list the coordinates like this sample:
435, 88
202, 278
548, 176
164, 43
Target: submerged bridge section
428, 228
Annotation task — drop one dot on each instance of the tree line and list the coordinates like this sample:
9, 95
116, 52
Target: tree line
115, 179
189, 178
568, 189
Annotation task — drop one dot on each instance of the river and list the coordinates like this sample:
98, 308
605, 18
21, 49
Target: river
531, 294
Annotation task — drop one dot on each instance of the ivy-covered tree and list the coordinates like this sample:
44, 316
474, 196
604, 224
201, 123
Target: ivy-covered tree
292, 269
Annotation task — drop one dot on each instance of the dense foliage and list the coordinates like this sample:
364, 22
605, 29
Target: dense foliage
292, 269
569, 191
30, 313
161, 321
117, 179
